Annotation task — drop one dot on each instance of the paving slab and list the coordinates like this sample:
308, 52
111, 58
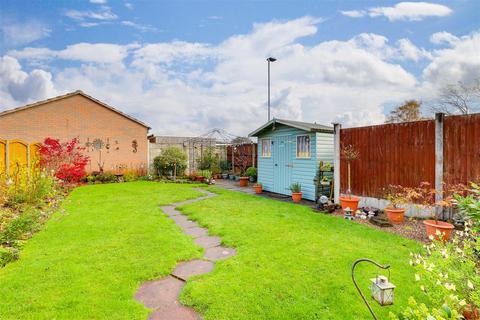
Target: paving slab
208, 242
160, 293
177, 312
192, 268
183, 222
170, 210
196, 232
219, 253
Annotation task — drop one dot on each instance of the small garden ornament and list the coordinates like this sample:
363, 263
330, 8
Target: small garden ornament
349, 153
382, 289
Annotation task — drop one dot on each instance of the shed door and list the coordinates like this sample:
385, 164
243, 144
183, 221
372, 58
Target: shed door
282, 162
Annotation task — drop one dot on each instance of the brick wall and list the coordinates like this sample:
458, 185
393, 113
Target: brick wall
80, 117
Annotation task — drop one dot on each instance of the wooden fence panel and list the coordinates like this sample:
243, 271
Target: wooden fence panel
462, 149
18, 155
3, 156
34, 153
402, 154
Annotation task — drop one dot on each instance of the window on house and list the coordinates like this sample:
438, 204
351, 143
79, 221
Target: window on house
266, 147
303, 146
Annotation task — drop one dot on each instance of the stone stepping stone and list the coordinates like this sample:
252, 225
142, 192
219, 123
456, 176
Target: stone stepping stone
192, 268
183, 222
196, 232
177, 312
219, 253
170, 211
208, 242
160, 293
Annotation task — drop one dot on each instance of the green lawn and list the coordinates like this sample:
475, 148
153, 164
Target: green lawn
291, 263
88, 261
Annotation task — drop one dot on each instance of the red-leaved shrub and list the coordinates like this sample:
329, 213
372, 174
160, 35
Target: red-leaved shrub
66, 160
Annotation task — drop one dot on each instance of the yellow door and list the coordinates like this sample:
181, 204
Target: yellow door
18, 155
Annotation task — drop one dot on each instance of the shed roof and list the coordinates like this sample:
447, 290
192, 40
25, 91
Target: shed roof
306, 126
78, 92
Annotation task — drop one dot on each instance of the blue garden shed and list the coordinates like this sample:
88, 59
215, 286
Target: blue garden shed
290, 151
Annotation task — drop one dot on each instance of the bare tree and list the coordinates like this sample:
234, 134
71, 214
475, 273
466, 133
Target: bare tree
459, 98
408, 111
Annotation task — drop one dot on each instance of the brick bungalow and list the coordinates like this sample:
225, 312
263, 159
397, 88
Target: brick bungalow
114, 141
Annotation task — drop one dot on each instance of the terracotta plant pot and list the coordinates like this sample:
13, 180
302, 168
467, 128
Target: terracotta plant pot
395, 215
296, 196
444, 228
258, 189
243, 181
349, 202
471, 313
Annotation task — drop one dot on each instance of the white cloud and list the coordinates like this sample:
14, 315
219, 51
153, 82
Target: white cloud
409, 11
443, 38
98, 1
84, 52
17, 85
458, 62
409, 51
103, 14
354, 13
139, 27
16, 33
128, 5
183, 87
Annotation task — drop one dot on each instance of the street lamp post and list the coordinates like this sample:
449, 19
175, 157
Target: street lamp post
270, 59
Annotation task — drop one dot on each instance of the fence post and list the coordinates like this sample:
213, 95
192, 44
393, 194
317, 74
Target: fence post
7, 157
336, 162
439, 120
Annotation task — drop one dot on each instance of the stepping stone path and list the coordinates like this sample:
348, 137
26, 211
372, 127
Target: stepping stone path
162, 295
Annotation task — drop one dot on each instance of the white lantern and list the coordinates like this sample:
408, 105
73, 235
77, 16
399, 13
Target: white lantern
382, 290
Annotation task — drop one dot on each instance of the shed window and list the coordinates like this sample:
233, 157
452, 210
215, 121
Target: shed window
303, 146
266, 147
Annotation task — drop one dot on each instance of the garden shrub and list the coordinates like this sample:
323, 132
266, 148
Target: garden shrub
7, 255
448, 273
209, 161
225, 165
172, 160
251, 172
19, 227
66, 160
130, 176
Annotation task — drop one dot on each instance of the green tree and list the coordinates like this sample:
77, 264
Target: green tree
171, 161
408, 111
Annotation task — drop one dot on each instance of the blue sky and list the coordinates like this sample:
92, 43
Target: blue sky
187, 66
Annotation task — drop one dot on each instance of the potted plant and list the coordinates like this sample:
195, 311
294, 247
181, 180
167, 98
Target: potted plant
207, 176
243, 181
296, 189
425, 196
258, 187
396, 196
251, 173
349, 153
